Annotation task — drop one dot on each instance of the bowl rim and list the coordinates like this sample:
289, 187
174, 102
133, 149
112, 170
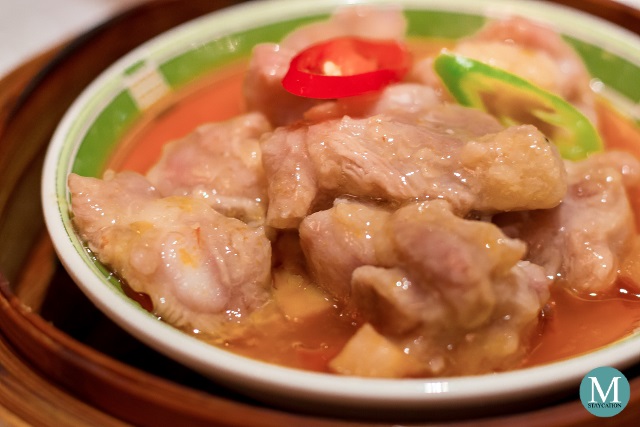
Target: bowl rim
249, 374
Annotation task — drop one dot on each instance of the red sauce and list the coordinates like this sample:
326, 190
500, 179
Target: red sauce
572, 326
215, 99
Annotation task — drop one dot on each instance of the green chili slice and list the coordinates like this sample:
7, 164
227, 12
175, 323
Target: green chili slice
514, 100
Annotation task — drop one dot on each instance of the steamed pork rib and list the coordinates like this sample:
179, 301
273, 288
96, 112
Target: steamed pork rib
456, 294
269, 61
453, 292
421, 324
454, 153
336, 241
220, 163
199, 267
582, 241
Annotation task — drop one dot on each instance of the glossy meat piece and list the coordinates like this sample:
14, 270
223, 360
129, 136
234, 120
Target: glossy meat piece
422, 324
290, 176
454, 153
269, 62
515, 169
336, 241
582, 241
427, 280
462, 257
199, 267
220, 163
390, 300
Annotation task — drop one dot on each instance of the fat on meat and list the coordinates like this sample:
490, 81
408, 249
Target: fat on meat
199, 267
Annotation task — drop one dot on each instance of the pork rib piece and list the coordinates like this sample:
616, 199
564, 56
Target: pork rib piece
581, 242
199, 267
452, 292
451, 152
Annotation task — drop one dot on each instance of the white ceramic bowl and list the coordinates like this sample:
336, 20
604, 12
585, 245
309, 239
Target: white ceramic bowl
91, 130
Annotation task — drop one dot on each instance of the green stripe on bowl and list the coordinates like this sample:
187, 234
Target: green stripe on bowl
442, 24
614, 71
134, 67
104, 134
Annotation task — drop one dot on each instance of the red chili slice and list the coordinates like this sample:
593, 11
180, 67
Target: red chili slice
346, 66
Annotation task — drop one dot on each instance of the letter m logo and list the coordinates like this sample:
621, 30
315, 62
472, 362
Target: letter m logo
595, 387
